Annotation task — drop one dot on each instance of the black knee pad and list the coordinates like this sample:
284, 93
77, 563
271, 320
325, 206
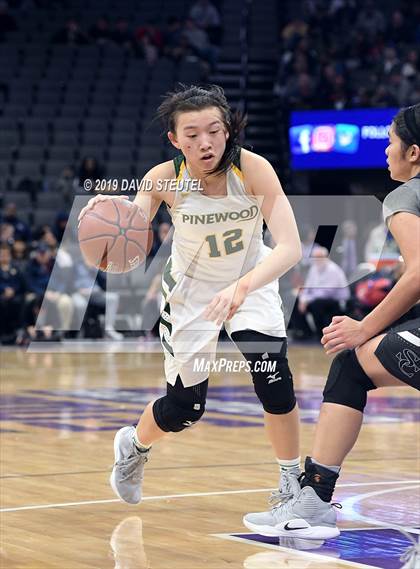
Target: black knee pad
272, 378
181, 407
347, 383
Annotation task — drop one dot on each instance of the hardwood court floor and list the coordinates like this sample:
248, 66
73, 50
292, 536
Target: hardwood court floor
58, 416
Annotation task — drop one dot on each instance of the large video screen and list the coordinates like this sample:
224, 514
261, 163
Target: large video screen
339, 139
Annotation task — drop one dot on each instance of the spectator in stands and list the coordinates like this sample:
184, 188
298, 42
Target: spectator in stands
174, 44
399, 87
388, 61
101, 32
161, 234
7, 21
300, 92
325, 292
46, 235
121, 34
148, 49
361, 98
21, 229
199, 43
414, 97
155, 36
58, 304
89, 170
411, 66
12, 290
348, 248
308, 235
205, 14
90, 286
345, 59
382, 98
7, 232
380, 244
293, 32
60, 225
20, 254
71, 34
66, 185
399, 30
371, 21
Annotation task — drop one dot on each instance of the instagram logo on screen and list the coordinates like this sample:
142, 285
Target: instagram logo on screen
323, 138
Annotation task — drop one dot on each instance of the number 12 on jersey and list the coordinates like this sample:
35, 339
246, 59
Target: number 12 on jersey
231, 243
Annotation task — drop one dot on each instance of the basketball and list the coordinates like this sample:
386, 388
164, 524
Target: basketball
115, 236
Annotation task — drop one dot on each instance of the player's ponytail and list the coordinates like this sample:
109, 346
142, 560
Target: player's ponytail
407, 126
193, 98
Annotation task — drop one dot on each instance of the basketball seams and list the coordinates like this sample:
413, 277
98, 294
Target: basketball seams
113, 245
125, 252
98, 216
131, 217
118, 212
137, 245
101, 235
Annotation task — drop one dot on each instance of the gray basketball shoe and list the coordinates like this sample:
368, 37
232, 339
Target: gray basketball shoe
305, 516
128, 472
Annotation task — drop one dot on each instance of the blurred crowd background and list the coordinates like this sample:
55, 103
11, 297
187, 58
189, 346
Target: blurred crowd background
79, 85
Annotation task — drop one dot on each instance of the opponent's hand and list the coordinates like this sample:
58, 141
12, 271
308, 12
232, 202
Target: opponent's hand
343, 333
225, 304
96, 199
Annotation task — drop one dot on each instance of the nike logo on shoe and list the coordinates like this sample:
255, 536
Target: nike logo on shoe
288, 528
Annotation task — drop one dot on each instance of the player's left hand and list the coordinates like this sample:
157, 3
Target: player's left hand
225, 303
343, 333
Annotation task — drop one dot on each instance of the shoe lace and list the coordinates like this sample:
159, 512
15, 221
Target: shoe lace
285, 493
278, 497
129, 467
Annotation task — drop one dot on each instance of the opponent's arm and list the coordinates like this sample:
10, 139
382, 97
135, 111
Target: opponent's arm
405, 227
344, 332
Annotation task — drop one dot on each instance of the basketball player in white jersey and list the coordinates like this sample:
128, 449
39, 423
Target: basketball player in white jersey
219, 272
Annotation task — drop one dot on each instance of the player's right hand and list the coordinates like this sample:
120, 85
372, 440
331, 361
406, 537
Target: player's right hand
99, 198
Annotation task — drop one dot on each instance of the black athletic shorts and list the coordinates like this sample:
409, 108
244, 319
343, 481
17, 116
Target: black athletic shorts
399, 352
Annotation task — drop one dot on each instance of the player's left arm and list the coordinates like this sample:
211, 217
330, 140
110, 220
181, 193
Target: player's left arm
264, 184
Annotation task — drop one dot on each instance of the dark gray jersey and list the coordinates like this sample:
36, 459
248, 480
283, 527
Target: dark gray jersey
404, 198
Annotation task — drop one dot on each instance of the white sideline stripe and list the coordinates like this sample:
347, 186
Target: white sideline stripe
289, 550
412, 338
195, 495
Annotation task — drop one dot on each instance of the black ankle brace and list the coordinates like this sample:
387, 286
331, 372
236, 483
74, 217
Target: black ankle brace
321, 479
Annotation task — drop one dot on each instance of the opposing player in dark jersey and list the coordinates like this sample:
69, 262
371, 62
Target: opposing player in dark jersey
372, 354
